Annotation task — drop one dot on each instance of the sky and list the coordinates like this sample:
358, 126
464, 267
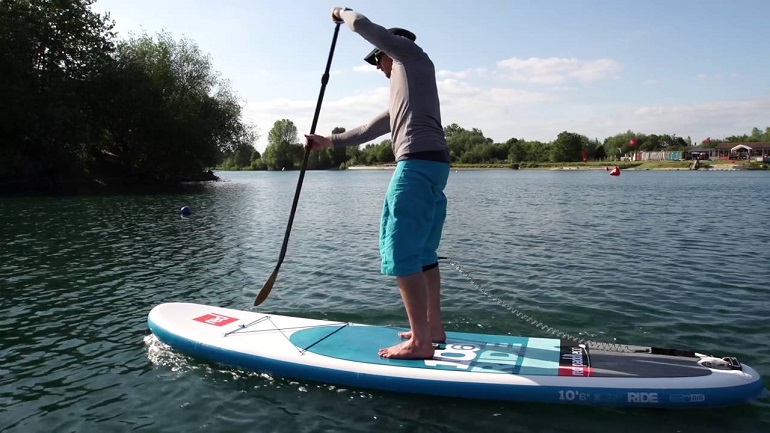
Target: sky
525, 69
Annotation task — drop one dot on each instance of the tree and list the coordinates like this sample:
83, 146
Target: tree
338, 155
599, 154
50, 51
537, 151
169, 115
501, 150
256, 162
517, 151
385, 151
451, 130
282, 148
757, 135
461, 140
618, 144
243, 155
567, 147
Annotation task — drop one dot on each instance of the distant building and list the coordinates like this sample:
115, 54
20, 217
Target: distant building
754, 151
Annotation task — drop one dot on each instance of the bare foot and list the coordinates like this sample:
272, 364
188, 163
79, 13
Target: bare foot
439, 337
407, 350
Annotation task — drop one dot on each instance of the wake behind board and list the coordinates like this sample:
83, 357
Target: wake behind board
493, 367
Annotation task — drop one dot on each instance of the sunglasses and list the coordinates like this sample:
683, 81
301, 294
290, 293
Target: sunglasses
377, 57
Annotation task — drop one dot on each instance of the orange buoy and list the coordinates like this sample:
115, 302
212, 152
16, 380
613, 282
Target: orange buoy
615, 171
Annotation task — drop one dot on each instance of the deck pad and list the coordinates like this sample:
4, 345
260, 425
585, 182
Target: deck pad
462, 352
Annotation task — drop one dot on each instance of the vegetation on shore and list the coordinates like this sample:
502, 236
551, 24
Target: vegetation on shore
80, 105
471, 149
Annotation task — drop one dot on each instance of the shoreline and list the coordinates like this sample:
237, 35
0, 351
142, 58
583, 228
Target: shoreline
715, 167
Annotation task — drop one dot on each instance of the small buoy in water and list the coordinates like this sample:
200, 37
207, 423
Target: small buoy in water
185, 210
606, 168
615, 171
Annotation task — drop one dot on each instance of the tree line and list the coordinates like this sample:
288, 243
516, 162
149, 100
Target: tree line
468, 146
80, 105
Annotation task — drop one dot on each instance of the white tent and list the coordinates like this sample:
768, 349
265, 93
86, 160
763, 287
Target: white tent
741, 146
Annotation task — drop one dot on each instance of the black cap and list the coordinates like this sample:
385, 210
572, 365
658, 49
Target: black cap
370, 58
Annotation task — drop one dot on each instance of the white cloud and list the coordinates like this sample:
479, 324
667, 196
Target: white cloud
503, 112
718, 75
724, 117
469, 100
347, 112
365, 68
557, 70
443, 73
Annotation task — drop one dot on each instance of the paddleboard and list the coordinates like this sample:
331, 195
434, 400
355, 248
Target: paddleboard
469, 365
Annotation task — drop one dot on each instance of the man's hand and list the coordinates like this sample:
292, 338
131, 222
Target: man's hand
317, 142
336, 17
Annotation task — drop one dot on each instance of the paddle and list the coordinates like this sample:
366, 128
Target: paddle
324, 79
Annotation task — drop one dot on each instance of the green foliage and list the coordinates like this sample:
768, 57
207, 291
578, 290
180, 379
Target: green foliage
598, 153
282, 150
466, 146
618, 144
757, 135
385, 151
375, 154
536, 151
567, 147
517, 151
77, 105
243, 156
338, 155
169, 115
332, 158
49, 52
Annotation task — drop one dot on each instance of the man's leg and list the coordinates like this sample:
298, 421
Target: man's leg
435, 322
415, 296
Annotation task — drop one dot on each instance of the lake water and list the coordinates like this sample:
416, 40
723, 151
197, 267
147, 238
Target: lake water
672, 259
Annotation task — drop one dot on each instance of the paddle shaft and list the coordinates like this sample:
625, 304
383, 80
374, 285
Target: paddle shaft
268, 286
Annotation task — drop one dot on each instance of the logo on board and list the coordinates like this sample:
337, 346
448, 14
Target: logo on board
643, 397
480, 357
574, 360
215, 319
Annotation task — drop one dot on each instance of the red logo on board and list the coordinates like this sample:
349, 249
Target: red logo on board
575, 371
215, 319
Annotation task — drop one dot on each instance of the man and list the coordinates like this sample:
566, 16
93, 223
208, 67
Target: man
415, 206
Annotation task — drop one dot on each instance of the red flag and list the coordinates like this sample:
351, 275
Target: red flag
585, 155
632, 142
707, 140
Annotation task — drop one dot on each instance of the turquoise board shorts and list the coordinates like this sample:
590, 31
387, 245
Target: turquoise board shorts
413, 216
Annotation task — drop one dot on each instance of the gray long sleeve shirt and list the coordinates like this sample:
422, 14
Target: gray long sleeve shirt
414, 116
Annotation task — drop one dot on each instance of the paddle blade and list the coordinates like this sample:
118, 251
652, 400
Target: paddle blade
266, 288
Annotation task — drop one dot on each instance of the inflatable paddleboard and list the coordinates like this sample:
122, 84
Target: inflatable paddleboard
480, 366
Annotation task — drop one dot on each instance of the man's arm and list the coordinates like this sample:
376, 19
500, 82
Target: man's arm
378, 126
397, 47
